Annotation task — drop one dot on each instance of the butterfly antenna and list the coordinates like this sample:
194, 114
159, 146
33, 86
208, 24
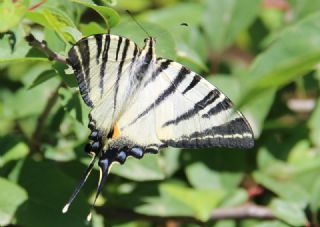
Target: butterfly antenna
81, 183
166, 32
134, 19
104, 165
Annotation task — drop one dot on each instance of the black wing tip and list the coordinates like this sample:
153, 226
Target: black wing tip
246, 144
239, 143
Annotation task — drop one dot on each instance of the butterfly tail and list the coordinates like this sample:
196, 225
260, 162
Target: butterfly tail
80, 185
104, 166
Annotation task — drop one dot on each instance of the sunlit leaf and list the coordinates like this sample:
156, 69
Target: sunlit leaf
224, 20
294, 53
12, 13
17, 152
165, 46
60, 22
110, 16
201, 201
288, 212
11, 197
44, 76
148, 168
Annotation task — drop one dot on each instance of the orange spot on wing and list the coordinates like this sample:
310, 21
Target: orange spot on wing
116, 131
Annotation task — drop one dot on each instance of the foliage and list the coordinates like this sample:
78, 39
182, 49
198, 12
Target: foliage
263, 54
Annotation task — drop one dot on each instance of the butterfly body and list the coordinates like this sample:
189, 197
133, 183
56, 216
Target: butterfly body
141, 103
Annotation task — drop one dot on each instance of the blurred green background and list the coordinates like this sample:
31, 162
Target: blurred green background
264, 54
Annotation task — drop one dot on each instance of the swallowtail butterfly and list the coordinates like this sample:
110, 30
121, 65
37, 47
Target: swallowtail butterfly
141, 103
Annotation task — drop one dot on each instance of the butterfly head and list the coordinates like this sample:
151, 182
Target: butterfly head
148, 51
149, 40
149, 43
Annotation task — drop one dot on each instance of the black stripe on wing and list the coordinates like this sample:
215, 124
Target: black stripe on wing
164, 64
74, 62
98, 38
118, 47
196, 79
234, 134
225, 104
85, 57
146, 61
207, 100
166, 93
104, 62
123, 57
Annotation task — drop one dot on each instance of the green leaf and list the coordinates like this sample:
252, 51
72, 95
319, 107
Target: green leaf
91, 29
288, 212
110, 16
189, 57
23, 59
12, 13
200, 176
69, 79
21, 49
226, 223
169, 160
272, 224
53, 40
61, 23
165, 46
286, 189
23, 104
48, 190
38, 18
174, 15
74, 105
301, 9
294, 53
235, 198
19, 151
133, 6
147, 168
202, 202
164, 206
224, 20
11, 197
255, 109
313, 123
43, 77
190, 43
228, 84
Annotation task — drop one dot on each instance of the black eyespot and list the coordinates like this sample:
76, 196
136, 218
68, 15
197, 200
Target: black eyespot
146, 40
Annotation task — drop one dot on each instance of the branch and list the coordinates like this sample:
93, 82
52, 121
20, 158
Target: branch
34, 144
44, 48
246, 211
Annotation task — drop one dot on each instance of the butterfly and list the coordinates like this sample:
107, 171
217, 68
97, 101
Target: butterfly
140, 104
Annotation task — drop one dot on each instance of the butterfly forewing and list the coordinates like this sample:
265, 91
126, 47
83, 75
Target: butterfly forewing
101, 63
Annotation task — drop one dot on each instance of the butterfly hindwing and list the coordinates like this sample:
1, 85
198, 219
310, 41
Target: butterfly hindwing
197, 114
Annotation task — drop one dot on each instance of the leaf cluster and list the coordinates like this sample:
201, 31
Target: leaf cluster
263, 54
